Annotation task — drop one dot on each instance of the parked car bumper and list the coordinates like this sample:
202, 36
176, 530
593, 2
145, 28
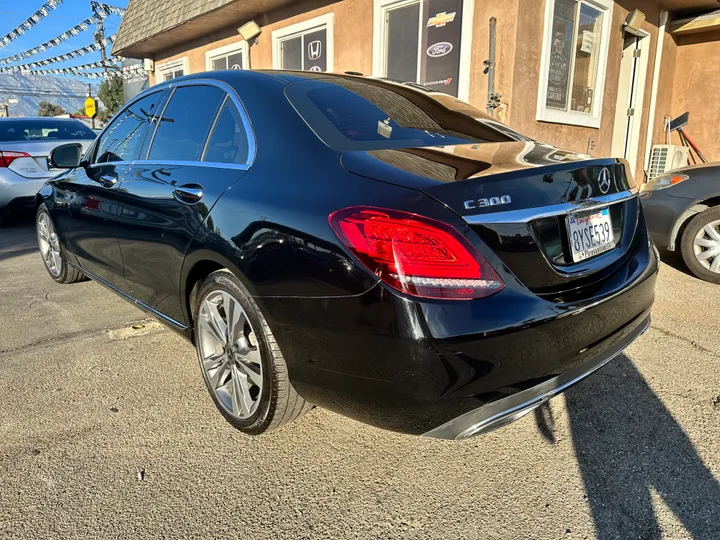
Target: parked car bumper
662, 211
16, 190
415, 366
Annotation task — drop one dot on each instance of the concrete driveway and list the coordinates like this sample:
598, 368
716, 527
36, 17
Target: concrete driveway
106, 430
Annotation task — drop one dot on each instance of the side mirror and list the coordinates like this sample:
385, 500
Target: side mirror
66, 156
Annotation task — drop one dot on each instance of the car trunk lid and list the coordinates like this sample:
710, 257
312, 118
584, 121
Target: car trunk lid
36, 165
518, 197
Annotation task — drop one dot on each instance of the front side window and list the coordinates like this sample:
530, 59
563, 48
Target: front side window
124, 137
305, 46
185, 124
422, 41
574, 58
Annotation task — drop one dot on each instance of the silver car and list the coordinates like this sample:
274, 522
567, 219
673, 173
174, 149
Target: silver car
25, 144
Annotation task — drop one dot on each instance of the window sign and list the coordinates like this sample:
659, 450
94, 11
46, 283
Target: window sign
561, 54
440, 48
421, 41
304, 46
574, 60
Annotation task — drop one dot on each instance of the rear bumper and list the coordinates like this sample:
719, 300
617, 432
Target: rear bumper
662, 212
14, 188
413, 366
506, 410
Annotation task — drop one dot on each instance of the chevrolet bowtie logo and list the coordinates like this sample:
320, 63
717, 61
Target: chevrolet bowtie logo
441, 19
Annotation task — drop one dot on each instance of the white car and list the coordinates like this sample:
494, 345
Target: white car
25, 144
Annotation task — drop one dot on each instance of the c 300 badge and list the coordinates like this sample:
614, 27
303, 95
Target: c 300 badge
482, 203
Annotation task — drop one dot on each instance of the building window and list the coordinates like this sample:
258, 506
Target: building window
307, 45
425, 42
172, 70
574, 59
233, 56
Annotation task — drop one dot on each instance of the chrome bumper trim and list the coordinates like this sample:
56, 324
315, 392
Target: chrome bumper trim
506, 410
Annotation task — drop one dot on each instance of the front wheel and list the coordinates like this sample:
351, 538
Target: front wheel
700, 245
241, 363
51, 249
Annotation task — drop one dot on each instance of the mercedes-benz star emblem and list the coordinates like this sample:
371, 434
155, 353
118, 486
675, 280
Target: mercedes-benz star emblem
604, 180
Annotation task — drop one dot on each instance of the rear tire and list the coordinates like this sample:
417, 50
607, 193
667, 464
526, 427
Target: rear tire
243, 368
53, 253
700, 245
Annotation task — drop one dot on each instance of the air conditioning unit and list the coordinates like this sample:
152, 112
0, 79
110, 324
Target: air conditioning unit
666, 157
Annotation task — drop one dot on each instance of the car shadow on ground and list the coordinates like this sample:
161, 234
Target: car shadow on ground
17, 236
674, 259
628, 445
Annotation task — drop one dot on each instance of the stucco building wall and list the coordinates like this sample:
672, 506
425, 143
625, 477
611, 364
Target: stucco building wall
696, 88
683, 80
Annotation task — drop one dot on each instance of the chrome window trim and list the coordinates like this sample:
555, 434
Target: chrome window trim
252, 144
210, 164
529, 214
212, 128
109, 163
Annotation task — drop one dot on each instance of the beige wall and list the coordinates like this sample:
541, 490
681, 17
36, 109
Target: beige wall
520, 25
696, 87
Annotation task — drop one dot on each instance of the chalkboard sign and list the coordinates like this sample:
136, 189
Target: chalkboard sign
561, 54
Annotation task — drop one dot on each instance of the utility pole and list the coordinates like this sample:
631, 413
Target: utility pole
99, 37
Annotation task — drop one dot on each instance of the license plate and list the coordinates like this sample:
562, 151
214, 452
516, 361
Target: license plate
590, 233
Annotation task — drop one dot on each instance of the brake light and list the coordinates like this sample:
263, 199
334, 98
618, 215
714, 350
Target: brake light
7, 157
415, 254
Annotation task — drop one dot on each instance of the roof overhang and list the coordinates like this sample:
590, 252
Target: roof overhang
694, 25
174, 33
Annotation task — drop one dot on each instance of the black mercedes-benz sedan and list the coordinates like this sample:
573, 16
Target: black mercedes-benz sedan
367, 246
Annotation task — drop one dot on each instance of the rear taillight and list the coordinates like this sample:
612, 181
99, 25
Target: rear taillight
7, 157
415, 254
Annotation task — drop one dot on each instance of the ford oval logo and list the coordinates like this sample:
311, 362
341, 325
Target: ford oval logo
439, 49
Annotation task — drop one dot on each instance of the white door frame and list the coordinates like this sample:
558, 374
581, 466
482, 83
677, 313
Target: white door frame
636, 102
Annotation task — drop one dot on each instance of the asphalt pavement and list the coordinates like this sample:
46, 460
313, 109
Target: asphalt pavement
106, 430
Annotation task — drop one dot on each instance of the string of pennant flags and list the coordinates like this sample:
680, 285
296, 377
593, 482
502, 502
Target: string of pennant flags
100, 12
31, 21
54, 42
97, 46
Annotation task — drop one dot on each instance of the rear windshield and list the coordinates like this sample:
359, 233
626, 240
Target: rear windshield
371, 114
43, 129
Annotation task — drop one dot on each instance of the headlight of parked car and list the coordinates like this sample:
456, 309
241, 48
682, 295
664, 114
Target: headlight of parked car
664, 181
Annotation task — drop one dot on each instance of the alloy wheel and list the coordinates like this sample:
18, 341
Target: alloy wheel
707, 246
49, 244
229, 354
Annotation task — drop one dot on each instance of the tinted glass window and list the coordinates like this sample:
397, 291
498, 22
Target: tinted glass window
186, 123
123, 139
291, 50
362, 114
228, 143
44, 129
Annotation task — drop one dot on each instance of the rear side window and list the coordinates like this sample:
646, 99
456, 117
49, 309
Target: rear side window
123, 139
186, 123
228, 142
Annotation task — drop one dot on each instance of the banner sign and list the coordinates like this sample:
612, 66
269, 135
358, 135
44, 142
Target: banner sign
560, 56
440, 45
63, 57
31, 21
74, 31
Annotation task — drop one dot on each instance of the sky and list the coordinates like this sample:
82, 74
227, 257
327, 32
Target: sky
65, 16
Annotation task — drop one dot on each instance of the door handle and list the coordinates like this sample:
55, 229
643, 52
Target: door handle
189, 193
108, 180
